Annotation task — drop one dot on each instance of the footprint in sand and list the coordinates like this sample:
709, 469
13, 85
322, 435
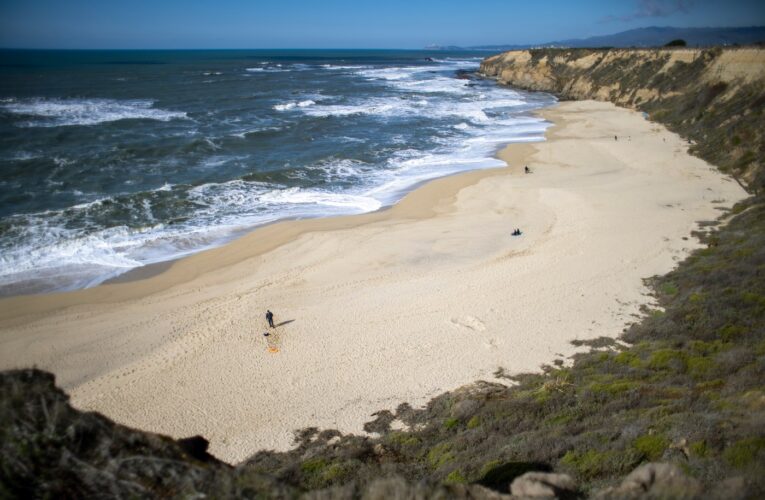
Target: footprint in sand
469, 322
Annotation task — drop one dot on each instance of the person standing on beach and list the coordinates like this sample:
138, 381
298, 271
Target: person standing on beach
270, 318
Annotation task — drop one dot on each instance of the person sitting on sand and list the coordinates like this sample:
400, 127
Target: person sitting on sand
527, 169
270, 318
516, 232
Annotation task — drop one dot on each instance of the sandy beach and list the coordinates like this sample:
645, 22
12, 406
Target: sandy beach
388, 307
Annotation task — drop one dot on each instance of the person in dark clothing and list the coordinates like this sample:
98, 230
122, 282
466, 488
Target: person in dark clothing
270, 318
527, 169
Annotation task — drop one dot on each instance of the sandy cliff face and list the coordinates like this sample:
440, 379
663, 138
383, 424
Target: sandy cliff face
713, 96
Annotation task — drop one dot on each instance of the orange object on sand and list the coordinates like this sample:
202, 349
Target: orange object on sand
273, 349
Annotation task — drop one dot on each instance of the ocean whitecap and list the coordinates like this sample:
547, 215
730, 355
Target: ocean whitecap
62, 112
291, 105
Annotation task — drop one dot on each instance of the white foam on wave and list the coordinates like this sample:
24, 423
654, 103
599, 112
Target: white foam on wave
76, 258
395, 73
406, 173
344, 67
62, 162
52, 247
434, 85
396, 106
516, 129
357, 140
429, 79
403, 75
344, 169
350, 202
61, 112
291, 105
238, 200
23, 156
264, 69
372, 106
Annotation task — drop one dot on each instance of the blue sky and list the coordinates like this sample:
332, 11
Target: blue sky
143, 24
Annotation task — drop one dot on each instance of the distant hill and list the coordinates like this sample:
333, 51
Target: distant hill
656, 36
653, 36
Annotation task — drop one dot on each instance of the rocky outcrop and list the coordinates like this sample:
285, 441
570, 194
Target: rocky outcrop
653, 480
714, 97
543, 485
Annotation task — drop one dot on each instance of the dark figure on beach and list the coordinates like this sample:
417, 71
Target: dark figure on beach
516, 232
270, 318
527, 169
615, 138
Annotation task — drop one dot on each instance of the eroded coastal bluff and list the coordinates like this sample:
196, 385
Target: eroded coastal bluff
672, 408
711, 96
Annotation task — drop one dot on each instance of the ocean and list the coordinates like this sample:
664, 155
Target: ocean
112, 160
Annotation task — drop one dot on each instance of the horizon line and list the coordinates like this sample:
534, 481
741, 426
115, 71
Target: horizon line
235, 48
451, 46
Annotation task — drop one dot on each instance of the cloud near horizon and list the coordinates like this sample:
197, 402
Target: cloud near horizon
654, 8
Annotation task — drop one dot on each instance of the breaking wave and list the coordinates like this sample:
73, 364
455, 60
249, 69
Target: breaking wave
62, 112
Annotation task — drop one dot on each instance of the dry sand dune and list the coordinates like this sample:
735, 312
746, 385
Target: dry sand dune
390, 307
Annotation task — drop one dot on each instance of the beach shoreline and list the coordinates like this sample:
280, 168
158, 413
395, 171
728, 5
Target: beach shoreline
386, 307
204, 173
154, 269
416, 201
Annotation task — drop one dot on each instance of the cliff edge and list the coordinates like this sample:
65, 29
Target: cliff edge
714, 97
